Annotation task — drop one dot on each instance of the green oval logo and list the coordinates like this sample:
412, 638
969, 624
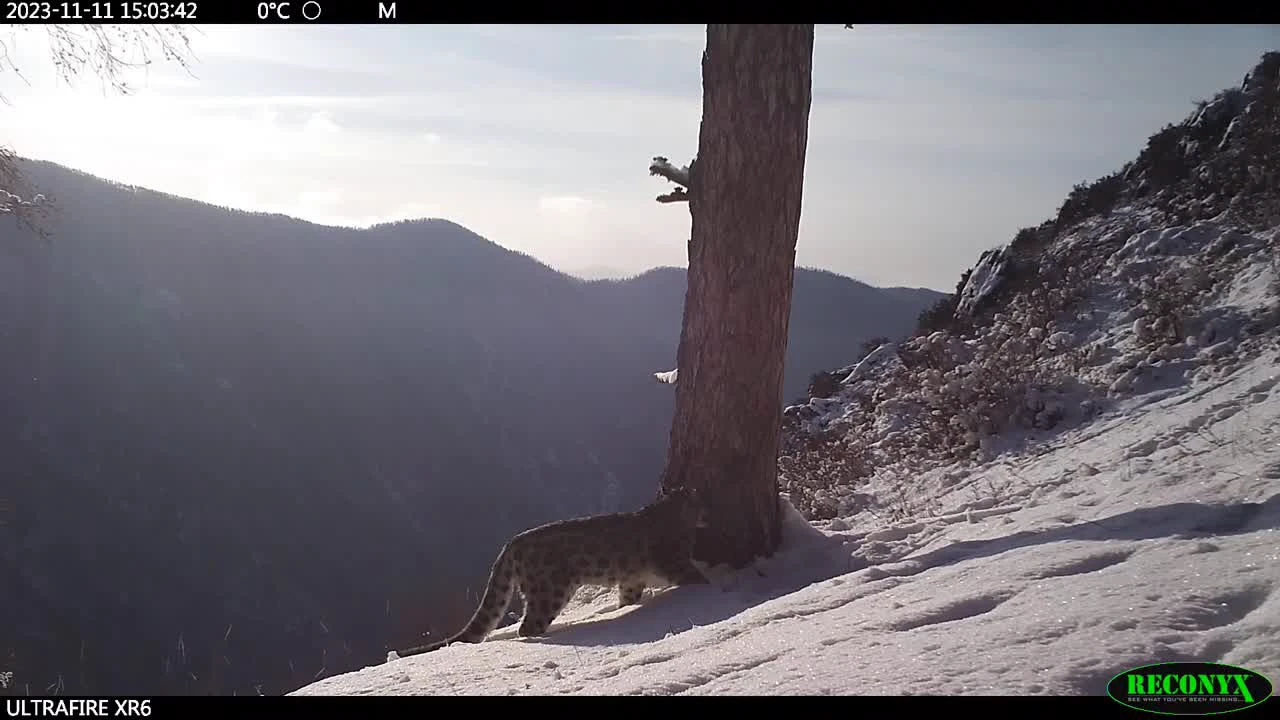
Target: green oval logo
1189, 688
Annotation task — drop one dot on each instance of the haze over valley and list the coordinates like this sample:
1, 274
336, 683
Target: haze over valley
237, 415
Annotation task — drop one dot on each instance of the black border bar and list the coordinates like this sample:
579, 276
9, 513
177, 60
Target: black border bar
195, 12
392, 12
398, 707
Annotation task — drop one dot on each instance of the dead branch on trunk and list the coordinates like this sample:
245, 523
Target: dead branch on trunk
680, 176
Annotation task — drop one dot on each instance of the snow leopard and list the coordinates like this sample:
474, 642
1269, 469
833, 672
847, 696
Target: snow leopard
652, 546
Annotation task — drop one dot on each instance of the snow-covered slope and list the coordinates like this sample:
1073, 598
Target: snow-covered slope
1079, 475
1149, 535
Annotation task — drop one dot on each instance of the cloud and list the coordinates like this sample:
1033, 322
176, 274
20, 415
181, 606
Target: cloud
319, 201
321, 124
564, 205
926, 145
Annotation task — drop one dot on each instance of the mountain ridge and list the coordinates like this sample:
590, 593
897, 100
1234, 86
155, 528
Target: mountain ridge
231, 409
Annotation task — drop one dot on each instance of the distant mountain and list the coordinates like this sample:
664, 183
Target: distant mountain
923, 296
599, 272
242, 450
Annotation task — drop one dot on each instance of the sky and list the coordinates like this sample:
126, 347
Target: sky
927, 144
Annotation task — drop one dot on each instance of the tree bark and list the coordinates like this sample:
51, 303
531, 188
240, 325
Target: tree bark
745, 199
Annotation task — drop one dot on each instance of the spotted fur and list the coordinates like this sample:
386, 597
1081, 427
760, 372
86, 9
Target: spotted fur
652, 546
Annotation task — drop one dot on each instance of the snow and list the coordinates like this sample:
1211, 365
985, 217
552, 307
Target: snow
986, 277
9, 201
669, 377
663, 167
1146, 536
885, 353
1114, 505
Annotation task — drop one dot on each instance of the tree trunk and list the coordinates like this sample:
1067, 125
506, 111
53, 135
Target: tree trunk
745, 201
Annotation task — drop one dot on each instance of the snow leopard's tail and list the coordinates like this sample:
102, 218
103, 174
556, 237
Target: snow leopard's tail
497, 596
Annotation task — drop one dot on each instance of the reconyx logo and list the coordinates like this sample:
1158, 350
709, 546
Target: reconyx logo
1189, 688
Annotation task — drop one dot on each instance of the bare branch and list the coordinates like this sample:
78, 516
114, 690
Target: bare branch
680, 176
107, 51
18, 199
662, 166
